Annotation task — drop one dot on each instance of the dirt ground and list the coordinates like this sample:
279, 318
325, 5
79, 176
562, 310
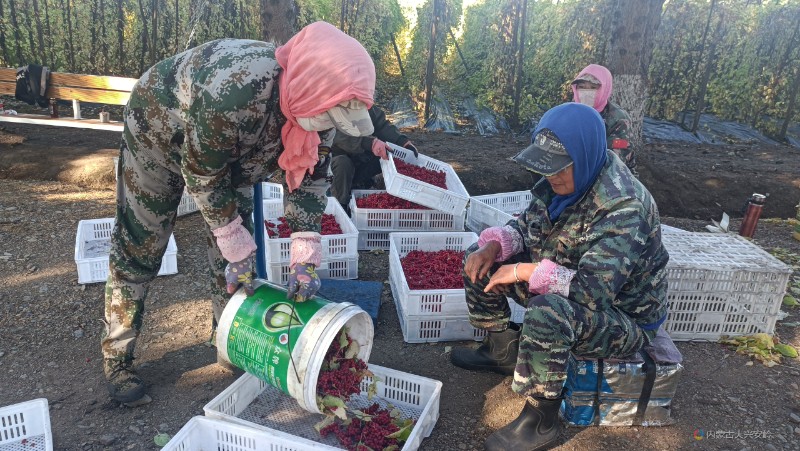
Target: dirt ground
50, 178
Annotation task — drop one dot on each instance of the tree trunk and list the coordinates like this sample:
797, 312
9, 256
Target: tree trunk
429, 70
34, 55
712, 58
103, 39
699, 61
93, 33
177, 27
399, 60
120, 36
69, 46
790, 107
3, 47
520, 63
458, 49
40, 33
12, 10
144, 36
278, 20
630, 49
155, 4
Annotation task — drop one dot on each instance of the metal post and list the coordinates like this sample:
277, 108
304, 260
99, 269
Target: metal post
76, 109
258, 229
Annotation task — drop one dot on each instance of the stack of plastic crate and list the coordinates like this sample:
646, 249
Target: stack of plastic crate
253, 415
339, 252
495, 209
26, 426
433, 315
721, 285
374, 224
93, 246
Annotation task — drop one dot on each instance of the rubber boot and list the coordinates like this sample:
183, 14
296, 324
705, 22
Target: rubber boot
497, 353
123, 384
536, 428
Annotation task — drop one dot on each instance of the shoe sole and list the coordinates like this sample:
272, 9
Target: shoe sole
132, 396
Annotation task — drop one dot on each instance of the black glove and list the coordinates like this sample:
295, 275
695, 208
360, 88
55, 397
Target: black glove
410, 146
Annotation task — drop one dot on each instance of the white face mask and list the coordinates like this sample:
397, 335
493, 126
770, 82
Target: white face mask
586, 96
317, 123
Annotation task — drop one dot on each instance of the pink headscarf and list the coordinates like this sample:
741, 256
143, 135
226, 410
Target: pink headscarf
322, 67
603, 75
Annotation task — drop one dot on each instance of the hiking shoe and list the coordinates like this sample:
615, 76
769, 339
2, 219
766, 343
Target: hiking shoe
123, 384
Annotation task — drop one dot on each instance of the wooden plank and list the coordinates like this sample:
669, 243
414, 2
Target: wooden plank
89, 95
62, 122
8, 88
8, 74
61, 79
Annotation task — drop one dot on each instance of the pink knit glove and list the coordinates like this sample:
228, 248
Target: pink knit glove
305, 248
234, 241
509, 239
379, 149
550, 277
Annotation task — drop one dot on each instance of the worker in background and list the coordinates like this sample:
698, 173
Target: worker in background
592, 87
356, 160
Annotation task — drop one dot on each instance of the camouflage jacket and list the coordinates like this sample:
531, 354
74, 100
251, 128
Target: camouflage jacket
384, 130
618, 127
213, 113
611, 237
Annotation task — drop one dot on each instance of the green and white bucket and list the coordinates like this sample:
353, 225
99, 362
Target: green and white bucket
258, 334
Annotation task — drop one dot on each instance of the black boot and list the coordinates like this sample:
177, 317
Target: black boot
497, 353
536, 428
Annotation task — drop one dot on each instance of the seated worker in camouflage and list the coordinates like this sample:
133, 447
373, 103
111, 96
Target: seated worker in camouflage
357, 160
592, 87
218, 119
585, 259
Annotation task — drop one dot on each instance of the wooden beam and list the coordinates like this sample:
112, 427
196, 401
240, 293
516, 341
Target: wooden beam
62, 122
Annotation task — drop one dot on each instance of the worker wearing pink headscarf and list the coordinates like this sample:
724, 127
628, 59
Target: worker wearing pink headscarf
215, 120
593, 87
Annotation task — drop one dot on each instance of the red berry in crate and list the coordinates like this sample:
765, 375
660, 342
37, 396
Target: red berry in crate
330, 226
435, 178
386, 201
433, 270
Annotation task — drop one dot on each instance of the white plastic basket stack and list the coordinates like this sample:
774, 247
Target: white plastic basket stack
26, 426
339, 252
433, 315
452, 200
187, 204
93, 246
721, 284
374, 225
253, 403
495, 209
271, 190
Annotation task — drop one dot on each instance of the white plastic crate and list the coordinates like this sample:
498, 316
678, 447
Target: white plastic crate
721, 284
399, 220
452, 200
373, 239
435, 328
271, 190
93, 246
208, 433
669, 229
187, 204
251, 402
26, 426
429, 314
344, 245
329, 268
495, 209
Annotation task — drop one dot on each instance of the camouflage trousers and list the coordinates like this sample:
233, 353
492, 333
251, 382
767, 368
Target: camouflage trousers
553, 327
149, 191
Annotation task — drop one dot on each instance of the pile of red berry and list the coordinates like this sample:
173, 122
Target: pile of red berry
433, 270
435, 178
362, 435
386, 201
282, 230
341, 375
